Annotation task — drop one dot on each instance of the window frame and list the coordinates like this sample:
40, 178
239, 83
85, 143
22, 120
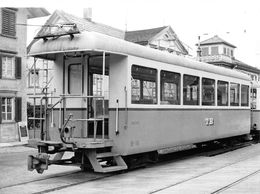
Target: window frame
152, 78
247, 95
69, 78
227, 94
97, 81
237, 95
31, 75
203, 103
4, 66
178, 88
191, 103
216, 49
224, 50
204, 51
4, 103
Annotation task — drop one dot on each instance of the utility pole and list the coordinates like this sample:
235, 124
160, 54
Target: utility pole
199, 49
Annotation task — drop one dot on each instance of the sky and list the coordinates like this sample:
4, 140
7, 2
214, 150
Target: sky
236, 21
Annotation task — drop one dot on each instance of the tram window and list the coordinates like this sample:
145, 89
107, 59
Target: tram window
170, 87
222, 93
253, 94
234, 94
97, 85
74, 79
190, 90
144, 85
208, 92
244, 95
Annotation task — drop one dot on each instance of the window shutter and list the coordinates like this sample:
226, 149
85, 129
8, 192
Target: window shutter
0, 110
18, 109
0, 66
8, 22
18, 67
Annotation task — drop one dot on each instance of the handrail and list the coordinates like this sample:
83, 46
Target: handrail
62, 98
95, 119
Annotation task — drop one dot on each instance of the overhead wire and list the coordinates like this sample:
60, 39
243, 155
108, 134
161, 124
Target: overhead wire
48, 26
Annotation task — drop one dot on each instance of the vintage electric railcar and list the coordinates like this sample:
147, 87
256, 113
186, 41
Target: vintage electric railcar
117, 102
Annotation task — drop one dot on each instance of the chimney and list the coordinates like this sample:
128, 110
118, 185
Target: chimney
87, 13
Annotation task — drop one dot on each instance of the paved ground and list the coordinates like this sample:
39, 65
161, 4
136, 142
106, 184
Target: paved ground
193, 175
13, 165
234, 172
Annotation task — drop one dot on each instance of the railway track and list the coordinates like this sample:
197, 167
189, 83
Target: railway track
206, 173
68, 179
220, 190
38, 180
78, 178
214, 153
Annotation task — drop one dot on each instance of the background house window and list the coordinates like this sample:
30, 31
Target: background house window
10, 109
205, 51
214, 50
232, 53
7, 109
33, 77
8, 67
8, 22
224, 51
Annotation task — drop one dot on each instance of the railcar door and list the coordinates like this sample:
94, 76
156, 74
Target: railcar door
97, 87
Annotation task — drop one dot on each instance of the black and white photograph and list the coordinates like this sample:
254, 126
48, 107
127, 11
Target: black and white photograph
129, 97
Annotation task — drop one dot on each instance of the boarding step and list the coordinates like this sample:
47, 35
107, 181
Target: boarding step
106, 155
113, 169
94, 159
91, 143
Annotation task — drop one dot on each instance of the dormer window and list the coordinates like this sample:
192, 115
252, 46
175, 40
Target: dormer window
205, 51
232, 53
214, 50
228, 52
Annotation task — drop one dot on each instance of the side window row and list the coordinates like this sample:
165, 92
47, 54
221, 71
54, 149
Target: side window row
144, 89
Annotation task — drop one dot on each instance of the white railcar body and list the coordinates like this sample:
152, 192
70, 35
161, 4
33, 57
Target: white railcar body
137, 127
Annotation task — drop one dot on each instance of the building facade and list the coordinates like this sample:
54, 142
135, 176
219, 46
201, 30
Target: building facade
13, 35
162, 38
219, 52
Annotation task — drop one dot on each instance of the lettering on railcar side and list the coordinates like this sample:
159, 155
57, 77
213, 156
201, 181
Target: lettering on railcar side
209, 121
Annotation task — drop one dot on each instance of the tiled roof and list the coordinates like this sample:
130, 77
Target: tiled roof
216, 40
142, 35
61, 17
36, 12
243, 66
87, 25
